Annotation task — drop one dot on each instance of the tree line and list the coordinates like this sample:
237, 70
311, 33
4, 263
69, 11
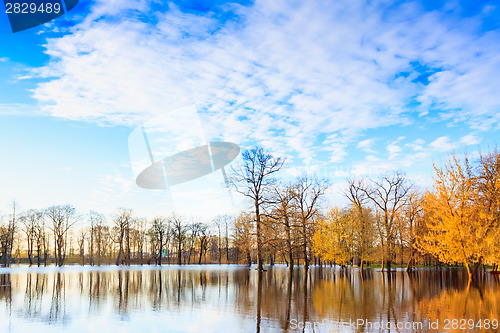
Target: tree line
387, 221
58, 233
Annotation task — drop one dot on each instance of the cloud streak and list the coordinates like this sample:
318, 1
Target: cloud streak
303, 78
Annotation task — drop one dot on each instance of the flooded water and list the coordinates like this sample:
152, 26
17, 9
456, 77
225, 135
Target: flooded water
236, 299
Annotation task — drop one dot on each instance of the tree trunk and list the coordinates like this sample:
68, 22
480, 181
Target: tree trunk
201, 252
179, 253
30, 251
289, 241
119, 256
227, 245
306, 260
160, 251
409, 266
260, 265
92, 247
249, 258
469, 273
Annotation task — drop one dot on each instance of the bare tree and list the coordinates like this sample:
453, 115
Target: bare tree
411, 225
283, 213
62, 217
121, 230
101, 237
140, 237
41, 240
179, 235
363, 223
30, 221
307, 192
81, 244
227, 221
5, 239
253, 179
159, 234
195, 229
389, 195
204, 239
12, 226
7, 233
218, 223
95, 219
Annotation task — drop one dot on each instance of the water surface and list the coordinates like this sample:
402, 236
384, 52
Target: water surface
236, 299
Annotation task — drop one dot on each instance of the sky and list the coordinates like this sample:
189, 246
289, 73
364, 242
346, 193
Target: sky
340, 88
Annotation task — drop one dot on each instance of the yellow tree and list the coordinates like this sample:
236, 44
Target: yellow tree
363, 227
244, 235
488, 203
331, 239
452, 214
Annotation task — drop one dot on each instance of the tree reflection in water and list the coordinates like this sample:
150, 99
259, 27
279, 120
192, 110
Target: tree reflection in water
210, 298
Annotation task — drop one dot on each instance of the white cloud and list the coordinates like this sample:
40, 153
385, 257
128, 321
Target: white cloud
416, 145
445, 144
276, 71
393, 150
470, 139
366, 145
303, 78
442, 144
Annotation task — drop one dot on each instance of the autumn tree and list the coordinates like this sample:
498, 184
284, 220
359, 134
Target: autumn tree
461, 213
362, 219
244, 236
332, 238
254, 179
488, 199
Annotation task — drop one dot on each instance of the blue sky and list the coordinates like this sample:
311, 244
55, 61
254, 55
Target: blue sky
342, 88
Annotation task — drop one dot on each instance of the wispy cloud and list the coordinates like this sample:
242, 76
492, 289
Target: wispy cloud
442, 144
367, 145
303, 77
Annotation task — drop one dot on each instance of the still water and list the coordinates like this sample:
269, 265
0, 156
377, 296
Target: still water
236, 299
